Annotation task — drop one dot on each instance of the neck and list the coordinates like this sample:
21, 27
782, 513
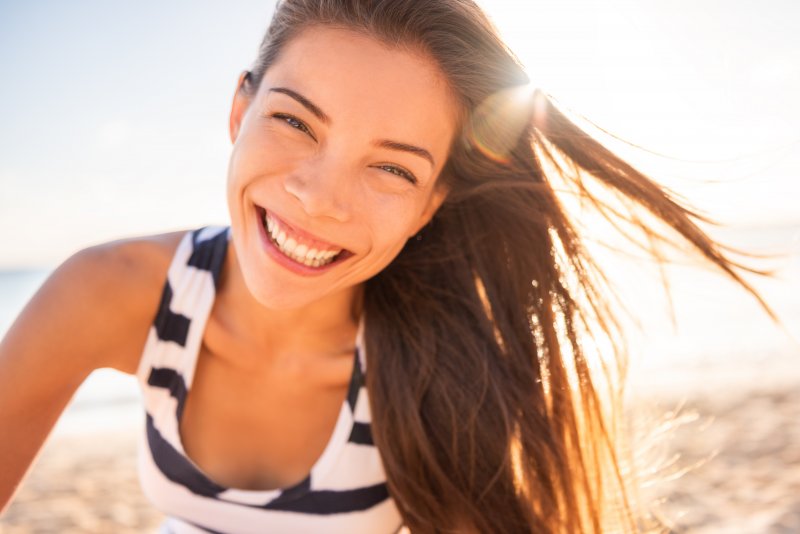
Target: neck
326, 327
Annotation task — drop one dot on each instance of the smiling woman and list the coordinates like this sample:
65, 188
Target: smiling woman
391, 331
345, 161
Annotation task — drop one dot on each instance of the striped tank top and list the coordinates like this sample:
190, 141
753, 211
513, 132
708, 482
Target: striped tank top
345, 491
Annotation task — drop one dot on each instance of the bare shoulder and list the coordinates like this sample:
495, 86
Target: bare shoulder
93, 311
127, 279
109, 294
126, 266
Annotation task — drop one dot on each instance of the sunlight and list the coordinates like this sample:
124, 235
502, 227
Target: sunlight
497, 123
708, 109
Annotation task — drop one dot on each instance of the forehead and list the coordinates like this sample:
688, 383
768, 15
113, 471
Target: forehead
359, 81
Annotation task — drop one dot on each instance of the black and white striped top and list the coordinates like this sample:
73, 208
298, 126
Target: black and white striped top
345, 492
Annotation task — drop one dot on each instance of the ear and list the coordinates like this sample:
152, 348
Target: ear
438, 196
241, 101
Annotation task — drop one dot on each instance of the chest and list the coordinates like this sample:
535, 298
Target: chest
264, 427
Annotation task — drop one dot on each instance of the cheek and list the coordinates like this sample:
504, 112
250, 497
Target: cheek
391, 223
261, 153
250, 168
238, 165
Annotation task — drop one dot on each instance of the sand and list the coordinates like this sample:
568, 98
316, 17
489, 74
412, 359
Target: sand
732, 465
744, 446
82, 484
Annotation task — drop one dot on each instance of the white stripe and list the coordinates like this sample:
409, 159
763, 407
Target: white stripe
177, 501
190, 288
146, 360
358, 466
162, 408
178, 266
362, 412
344, 425
254, 497
160, 353
362, 355
194, 338
173, 525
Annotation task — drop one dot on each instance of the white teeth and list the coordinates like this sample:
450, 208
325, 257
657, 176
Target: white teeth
298, 252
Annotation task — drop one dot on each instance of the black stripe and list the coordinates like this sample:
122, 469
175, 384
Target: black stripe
325, 502
170, 326
164, 377
360, 372
177, 467
209, 254
356, 381
298, 490
361, 434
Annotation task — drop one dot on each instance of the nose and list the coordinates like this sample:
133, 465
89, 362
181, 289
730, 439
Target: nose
323, 186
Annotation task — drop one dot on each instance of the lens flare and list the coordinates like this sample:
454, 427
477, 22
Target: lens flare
497, 123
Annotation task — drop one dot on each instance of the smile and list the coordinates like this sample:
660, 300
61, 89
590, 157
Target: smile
297, 245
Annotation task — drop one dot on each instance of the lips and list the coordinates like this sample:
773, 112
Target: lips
300, 236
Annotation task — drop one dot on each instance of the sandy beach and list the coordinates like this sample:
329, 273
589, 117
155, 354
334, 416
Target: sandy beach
731, 464
82, 485
743, 450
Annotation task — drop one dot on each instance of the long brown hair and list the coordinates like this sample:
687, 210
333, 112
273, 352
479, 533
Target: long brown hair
488, 414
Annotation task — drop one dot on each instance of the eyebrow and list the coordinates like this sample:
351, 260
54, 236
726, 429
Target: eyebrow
383, 143
403, 147
306, 103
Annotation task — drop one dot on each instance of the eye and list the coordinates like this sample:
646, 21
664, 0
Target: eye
294, 122
399, 171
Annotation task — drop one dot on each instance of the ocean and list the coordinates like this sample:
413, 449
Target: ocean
721, 338
108, 400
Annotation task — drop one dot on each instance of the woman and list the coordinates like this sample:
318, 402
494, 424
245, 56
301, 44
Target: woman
393, 231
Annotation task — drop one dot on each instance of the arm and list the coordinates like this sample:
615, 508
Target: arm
84, 317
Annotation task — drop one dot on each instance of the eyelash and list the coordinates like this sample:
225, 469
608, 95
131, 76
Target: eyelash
399, 171
300, 125
296, 123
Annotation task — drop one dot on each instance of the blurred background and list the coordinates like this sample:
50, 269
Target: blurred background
114, 123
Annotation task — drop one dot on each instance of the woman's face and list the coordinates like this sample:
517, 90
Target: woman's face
339, 150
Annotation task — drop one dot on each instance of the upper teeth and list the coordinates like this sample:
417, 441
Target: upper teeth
297, 251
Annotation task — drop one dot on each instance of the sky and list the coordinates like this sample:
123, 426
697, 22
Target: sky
114, 115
